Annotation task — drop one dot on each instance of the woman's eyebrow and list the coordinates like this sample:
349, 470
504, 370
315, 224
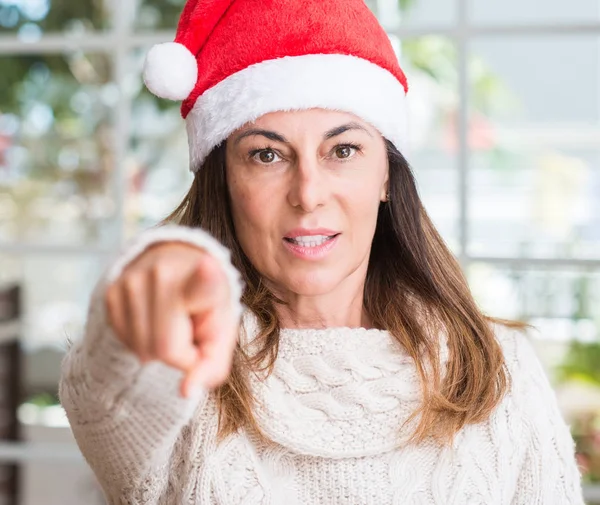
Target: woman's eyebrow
271, 135
338, 130
276, 137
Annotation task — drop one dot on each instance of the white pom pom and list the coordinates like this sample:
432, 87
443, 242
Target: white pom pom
171, 71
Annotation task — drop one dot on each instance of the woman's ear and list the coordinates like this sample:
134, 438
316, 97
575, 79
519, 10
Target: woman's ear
385, 188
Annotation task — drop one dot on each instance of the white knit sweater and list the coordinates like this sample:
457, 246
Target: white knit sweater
333, 407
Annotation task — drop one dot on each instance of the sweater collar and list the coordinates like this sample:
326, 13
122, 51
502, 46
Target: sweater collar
337, 392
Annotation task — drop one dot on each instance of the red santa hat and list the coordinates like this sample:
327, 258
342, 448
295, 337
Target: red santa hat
235, 60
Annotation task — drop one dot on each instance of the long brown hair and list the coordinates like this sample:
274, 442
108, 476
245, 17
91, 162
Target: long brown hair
415, 289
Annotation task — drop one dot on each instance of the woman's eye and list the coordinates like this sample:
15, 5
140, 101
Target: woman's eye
344, 152
265, 156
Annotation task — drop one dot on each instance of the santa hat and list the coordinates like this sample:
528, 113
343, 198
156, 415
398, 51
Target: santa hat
235, 60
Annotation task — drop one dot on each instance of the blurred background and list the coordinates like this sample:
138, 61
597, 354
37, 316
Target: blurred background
505, 107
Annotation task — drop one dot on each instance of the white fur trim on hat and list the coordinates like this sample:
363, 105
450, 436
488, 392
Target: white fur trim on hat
171, 71
329, 81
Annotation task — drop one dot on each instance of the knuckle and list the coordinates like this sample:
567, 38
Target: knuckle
162, 274
210, 269
133, 282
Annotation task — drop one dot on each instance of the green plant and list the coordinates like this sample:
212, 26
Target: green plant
581, 363
406, 5
44, 400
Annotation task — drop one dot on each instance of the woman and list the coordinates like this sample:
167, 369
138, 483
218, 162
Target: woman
362, 371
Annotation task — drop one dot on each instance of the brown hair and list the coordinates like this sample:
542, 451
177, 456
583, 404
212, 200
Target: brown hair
414, 289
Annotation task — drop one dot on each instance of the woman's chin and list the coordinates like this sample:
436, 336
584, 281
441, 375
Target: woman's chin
312, 285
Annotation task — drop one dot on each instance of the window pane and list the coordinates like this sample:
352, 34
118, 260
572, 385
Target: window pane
57, 482
163, 14
535, 147
56, 148
60, 479
531, 11
391, 13
563, 304
396, 13
431, 67
158, 166
564, 307
30, 18
55, 295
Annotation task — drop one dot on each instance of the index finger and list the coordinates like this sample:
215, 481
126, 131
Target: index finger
217, 338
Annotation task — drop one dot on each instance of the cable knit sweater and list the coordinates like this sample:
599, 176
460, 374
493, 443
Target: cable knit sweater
333, 408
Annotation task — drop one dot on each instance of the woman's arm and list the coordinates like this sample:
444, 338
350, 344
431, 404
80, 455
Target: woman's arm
126, 416
549, 473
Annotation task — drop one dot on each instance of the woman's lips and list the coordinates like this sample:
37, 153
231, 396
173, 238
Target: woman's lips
310, 232
311, 247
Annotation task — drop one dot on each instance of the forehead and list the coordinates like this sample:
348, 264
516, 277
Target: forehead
316, 121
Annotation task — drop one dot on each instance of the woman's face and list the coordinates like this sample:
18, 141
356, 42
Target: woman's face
305, 190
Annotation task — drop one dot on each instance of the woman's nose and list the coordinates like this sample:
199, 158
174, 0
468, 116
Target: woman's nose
308, 186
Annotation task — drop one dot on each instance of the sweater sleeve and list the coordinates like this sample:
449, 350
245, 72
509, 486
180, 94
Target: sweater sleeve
549, 472
126, 417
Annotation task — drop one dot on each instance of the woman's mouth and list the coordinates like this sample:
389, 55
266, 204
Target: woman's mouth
311, 247
311, 240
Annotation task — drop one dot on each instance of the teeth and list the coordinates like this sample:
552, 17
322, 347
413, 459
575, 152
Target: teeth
311, 241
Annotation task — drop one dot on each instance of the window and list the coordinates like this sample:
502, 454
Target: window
505, 106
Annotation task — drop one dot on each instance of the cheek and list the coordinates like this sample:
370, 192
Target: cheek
363, 209
246, 213
364, 193
252, 215
361, 201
